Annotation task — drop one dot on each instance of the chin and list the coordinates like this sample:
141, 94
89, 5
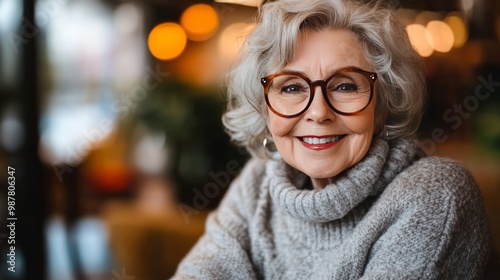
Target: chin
321, 174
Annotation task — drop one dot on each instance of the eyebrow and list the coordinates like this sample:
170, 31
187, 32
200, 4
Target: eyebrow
329, 73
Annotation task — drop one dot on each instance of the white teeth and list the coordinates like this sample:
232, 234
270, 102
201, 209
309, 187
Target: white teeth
325, 140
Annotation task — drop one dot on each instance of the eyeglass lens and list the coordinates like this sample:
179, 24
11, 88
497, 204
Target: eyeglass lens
347, 92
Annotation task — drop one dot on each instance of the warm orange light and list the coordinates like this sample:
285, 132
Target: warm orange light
232, 37
251, 3
167, 41
200, 22
457, 25
407, 16
440, 36
425, 17
416, 32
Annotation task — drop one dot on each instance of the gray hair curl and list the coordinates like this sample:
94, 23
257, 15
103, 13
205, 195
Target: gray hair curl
400, 87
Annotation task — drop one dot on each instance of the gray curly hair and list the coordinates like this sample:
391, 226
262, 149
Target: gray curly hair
400, 87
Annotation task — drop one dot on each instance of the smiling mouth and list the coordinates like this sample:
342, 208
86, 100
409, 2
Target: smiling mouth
321, 140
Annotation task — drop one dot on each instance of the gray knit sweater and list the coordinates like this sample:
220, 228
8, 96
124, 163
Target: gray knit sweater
391, 216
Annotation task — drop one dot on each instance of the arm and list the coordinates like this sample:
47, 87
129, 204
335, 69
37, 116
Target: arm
223, 251
439, 228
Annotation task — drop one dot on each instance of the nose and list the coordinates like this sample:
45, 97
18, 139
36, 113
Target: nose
319, 111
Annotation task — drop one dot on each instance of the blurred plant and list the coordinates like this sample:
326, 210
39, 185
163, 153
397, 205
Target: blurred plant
487, 128
191, 119
486, 121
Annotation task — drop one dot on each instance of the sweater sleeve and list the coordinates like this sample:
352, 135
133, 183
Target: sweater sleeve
438, 229
223, 251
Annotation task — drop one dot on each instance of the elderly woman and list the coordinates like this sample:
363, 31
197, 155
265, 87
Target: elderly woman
326, 97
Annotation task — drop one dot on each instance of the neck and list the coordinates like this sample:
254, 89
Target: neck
320, 183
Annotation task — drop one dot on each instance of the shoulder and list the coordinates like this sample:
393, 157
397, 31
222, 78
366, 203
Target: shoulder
254, 167
436, 184
432, 215
251, 174
239, 202
245, 188
440, 174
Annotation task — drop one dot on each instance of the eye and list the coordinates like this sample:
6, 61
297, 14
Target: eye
346, 87
293, 88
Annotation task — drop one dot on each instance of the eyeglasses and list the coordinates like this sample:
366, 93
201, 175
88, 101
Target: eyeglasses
347, 91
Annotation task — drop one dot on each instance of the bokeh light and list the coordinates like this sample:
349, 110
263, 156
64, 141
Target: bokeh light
127, 18
200, 22
407, 16
251, 3
167, 41
417, 34
192, 68
232, 38
440, 36
460, 32
425, 17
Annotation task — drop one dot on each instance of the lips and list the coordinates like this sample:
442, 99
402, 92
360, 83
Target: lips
320, 142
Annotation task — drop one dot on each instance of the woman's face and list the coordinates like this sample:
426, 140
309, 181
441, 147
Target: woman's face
317, 55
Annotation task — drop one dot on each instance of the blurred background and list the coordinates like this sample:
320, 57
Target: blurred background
110, 118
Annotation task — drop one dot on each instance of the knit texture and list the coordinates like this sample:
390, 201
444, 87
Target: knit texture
393, 215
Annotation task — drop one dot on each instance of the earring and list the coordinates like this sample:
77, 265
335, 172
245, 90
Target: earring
385, 132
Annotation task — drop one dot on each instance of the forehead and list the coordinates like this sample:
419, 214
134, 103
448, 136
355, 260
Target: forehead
323, 51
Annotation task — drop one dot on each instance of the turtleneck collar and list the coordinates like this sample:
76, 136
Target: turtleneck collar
383, 162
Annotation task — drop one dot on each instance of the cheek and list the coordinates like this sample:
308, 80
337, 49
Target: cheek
363, 123
279, 126
360, 124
